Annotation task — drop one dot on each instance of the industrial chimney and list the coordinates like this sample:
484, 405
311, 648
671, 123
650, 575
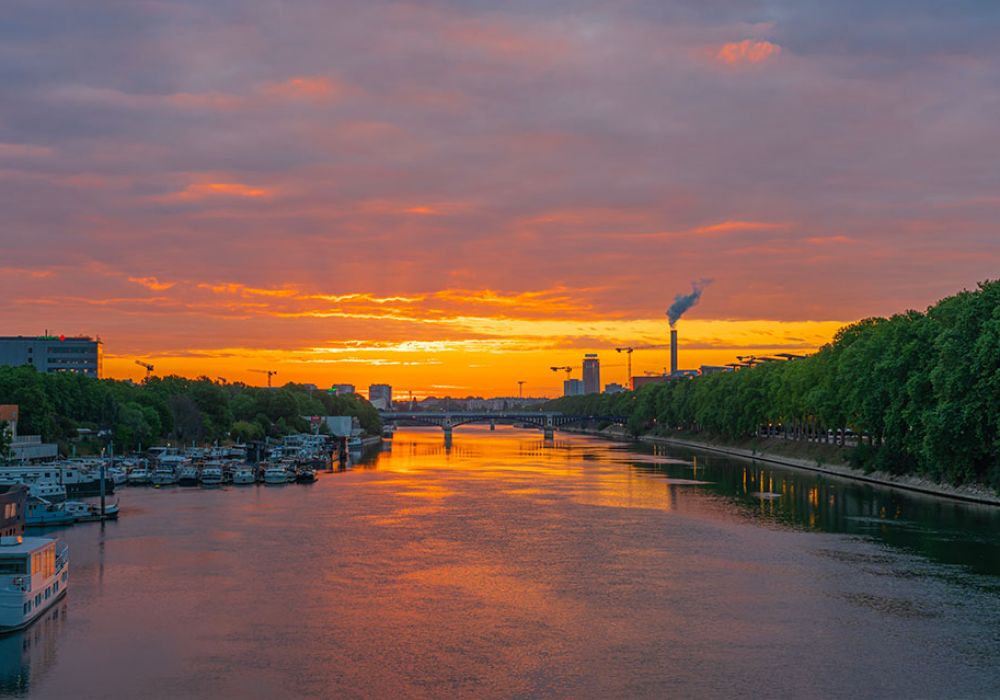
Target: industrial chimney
673, 351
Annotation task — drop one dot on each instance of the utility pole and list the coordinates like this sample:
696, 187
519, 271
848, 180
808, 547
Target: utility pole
520, 388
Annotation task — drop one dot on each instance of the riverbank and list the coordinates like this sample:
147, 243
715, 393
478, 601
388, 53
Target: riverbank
825, 459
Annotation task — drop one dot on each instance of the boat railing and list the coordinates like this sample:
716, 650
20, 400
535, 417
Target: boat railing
62, 556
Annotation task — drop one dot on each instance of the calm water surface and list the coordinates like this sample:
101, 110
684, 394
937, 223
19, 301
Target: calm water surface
507, 567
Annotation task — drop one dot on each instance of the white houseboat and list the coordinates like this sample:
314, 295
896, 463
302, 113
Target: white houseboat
275, 475
34, 574
211, 475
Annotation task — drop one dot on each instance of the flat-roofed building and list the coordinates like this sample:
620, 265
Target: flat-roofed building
591, 374
342, 389
51, 353
380, 396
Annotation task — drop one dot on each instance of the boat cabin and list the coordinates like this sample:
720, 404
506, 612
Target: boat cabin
34, 573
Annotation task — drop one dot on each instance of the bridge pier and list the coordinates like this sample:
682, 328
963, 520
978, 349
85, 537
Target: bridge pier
493, 424
550, 428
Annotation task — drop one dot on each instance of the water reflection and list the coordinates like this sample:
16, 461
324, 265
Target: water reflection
668, 478
945, 530
514, 566
27, 655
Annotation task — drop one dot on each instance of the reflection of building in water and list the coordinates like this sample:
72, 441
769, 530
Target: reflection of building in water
26, 656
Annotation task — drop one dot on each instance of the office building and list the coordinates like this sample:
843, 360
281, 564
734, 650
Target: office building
380, 396
573, 387
50, 353
340, 389
591, 374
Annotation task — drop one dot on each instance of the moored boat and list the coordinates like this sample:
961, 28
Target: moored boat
275, 475
164, 475
34, 574
139, 476
244, 476
188, 476
42, 513
88, 512
211, 475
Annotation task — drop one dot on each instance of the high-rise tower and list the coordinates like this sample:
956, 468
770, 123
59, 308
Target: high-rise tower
591, 374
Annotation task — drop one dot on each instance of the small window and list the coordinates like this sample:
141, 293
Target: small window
27, 607
48, 592
38, 599
12, 566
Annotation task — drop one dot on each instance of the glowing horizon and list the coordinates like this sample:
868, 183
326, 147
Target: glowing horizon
450, 198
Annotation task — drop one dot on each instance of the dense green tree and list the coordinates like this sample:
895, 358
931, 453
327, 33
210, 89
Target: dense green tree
920, 392
160, 408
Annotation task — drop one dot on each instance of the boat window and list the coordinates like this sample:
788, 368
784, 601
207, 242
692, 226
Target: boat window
13, 565
38, 599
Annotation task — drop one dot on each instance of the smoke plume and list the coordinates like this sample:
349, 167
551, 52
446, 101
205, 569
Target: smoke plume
683, 302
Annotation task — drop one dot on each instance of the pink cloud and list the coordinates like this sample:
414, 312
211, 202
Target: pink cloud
747, 51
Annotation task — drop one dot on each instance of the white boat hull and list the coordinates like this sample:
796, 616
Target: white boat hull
24, 598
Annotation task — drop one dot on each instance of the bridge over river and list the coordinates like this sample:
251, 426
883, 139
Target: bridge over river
546, 421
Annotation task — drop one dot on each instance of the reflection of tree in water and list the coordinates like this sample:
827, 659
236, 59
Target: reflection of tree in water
944, 530
26, 656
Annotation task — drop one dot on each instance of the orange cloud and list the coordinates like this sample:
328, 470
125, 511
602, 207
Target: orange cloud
827, 240
730, 226
747, 51
151, 283
305, 87
207, 190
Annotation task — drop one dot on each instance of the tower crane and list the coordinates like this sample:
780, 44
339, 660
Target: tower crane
148, 367
269, 372
628, 350
567, 369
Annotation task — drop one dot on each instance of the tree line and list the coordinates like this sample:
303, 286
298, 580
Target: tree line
58, 405
918, 392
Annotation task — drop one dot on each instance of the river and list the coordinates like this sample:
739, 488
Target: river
504, 566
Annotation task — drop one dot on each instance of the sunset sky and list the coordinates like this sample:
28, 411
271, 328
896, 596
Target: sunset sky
449, 196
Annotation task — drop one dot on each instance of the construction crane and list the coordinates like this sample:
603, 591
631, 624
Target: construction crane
568, 370
628, 350
269, 372
148, 367
520, 388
